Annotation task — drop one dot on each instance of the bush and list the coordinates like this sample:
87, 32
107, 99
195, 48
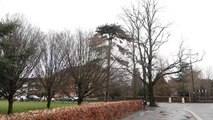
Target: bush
93, 111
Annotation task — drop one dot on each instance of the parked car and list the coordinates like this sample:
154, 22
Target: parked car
22, 98
1, 98
45, 99
74, 98
34, 98
67, 98
64, 98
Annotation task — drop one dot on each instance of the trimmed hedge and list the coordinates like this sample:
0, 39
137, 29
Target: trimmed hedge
94, 111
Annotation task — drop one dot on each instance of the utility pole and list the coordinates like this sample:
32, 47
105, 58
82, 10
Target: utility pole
193, 87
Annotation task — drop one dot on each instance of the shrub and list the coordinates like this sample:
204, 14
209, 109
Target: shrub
93, 111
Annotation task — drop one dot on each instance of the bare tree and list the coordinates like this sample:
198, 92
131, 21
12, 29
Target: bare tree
132, 17
19, 56
149, 35
85, 67
209, 76
50, 69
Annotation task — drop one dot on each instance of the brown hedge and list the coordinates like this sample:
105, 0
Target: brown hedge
94, 111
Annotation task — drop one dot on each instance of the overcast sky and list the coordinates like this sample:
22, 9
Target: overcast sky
192, 20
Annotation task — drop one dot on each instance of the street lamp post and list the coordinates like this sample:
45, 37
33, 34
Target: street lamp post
206, 95
199, 94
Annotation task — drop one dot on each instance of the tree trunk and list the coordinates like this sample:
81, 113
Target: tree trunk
108, 70
134, 84
49, 97
80, 100
48, 102
145, 92
10, 105
80, 91
134, 68
151, 96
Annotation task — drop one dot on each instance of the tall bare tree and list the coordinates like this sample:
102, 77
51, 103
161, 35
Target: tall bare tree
149, 35
132, 18
19, 55
208, 76
85, 67
50, 69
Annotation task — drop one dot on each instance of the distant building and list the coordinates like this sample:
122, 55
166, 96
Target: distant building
33, 87
184, 88
162, 88
175, 85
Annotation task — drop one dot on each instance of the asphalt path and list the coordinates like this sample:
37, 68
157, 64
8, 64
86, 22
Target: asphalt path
203, 110
175, 111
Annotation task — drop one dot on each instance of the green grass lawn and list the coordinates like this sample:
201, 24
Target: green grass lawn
31, 105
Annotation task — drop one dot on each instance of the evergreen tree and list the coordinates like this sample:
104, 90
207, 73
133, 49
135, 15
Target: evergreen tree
18, 56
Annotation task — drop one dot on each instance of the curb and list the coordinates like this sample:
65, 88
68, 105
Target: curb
193, 115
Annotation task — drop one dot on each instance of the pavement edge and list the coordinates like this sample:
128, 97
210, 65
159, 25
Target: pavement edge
194, 116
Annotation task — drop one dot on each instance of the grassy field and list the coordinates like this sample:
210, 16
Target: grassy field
31, 105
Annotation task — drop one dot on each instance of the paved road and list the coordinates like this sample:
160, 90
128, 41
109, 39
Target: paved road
174, 111
203, 110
